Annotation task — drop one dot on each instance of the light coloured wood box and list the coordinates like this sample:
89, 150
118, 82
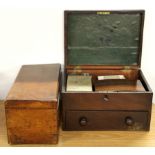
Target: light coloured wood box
32, 105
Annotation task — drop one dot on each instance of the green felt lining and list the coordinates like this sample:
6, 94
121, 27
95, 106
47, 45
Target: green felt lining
103, 39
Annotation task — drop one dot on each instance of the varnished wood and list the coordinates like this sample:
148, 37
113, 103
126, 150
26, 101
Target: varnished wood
131, 74
32, 126
92, 138
105, 67
32, 109
36, 82
125, 101
119, 85
116, 101
129, 100
106, 120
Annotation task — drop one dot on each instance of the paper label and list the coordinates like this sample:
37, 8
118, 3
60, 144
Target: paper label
106, 77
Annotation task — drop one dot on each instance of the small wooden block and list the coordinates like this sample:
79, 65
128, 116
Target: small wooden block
119, 85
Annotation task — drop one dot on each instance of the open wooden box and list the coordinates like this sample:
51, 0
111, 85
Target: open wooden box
105, 43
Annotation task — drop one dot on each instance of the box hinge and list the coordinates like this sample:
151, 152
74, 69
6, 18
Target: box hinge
127, 67
131, 67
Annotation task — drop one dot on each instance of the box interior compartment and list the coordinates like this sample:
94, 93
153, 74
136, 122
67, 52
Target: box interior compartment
101, 43
135, 77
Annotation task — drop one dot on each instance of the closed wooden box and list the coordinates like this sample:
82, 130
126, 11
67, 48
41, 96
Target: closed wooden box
99, 43
32, 105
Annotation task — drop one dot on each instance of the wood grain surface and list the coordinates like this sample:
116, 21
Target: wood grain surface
31, 107
36, 82
119, 85
92, 138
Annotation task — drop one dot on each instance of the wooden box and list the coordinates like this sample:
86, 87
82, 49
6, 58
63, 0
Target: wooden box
32, 105
101, 43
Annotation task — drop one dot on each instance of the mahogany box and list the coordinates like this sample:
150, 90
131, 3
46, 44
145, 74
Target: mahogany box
32, 105
102, 43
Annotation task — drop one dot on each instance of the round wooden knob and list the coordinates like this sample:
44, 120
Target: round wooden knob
106, 98
129, 121
83, 121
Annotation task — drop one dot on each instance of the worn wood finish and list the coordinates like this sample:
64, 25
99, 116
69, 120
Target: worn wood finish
85, 13
37, 82
106, 120
133, 101
91, 138
105, 67
106, 101
115, 101
119, 85
131, 74
32, 126
32, 110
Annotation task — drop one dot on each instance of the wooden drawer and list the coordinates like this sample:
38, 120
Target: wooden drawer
109, 101
106, 120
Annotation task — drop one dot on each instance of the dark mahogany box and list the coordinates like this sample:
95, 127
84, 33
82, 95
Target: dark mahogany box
32, 105
100, 43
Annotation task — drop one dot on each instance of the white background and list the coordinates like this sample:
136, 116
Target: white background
31, 32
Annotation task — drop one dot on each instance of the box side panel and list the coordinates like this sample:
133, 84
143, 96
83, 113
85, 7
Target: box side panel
32, 126
30, 104
149, 90
144, 81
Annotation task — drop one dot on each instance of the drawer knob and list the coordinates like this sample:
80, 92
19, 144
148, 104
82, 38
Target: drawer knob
129, 121
83, 121
106, 98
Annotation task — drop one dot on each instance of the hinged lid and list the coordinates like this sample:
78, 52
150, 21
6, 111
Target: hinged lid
103, 38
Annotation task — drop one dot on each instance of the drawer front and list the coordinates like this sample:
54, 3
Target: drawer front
106, 120
110, 101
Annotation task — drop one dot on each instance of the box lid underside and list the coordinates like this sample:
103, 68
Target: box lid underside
103, 39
